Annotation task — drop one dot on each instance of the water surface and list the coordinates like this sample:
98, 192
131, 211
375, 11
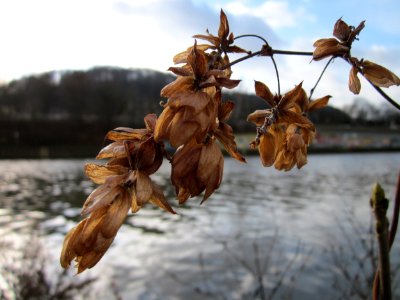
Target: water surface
283, 226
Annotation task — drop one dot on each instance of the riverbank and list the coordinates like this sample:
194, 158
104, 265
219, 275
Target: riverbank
329, 139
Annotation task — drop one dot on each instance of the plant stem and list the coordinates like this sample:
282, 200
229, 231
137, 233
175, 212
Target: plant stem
379, 205
383, 94
319, 78
392, 235
287, 52
240, 60
252, 35
277, 75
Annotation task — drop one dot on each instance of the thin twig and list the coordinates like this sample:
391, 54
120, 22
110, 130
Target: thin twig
240, 60
287, 52
251, 35
383, 94
320, 76
277, 75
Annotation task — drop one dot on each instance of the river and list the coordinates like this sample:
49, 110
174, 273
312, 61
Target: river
264, 233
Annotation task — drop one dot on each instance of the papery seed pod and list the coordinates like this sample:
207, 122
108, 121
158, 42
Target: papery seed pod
354, 81
329, 47
378, 75
267, 149
341, 30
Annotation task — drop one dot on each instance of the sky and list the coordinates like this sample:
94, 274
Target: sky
45, 35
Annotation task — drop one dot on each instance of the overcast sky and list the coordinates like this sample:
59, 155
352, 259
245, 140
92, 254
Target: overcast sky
45, 35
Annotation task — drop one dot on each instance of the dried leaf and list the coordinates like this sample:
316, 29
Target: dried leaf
99, 198
181, 83
215, 180
354, 81
208, 161
341, 30
318, 103
89, 260
144, 188
225, 135
158, 199
263, 92
197, 100
225, 111
198, 62
329, 47
227, 83
182, 57
296, 95
115, 149
266, 148
115, 216
163, 122
68, 252
134, 205
209, 38
182, 131
378, 75
258, 117
223, 29
356, 31
99, 173
125, 133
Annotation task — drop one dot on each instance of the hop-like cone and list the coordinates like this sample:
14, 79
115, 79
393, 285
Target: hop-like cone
90, 239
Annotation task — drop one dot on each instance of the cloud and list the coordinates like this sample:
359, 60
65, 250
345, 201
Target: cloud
48, 35
276, 14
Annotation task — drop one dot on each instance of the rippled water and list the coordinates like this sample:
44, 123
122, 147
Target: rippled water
283, 226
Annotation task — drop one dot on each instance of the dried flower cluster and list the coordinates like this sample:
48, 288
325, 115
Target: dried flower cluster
284, 131
124, 184
341, 46
194, 122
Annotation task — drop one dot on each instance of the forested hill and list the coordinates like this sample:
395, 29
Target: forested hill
66, 114
110, 95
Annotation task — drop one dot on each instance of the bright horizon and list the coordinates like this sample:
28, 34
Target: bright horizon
44, 35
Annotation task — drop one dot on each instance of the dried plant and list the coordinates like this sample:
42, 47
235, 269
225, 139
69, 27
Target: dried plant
193, 121
25, 274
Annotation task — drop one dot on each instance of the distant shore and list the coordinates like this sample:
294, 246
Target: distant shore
327, 143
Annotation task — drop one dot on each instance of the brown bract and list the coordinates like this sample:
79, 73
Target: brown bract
339, 46
197, 168
354, 81
376, 74
224, 132
124, 183
186, 115
223, 42
191, 110
345, 33
284, 131
329, 47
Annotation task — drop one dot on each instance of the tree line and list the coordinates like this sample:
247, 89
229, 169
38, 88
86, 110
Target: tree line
80, 106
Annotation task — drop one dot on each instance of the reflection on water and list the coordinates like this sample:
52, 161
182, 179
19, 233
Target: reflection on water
208, 250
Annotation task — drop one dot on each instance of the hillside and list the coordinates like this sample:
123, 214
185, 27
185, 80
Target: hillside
74, 109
